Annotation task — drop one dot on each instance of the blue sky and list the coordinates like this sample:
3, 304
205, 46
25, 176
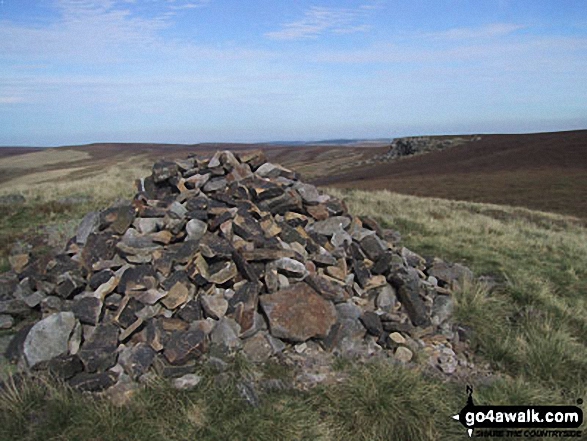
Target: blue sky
188, 71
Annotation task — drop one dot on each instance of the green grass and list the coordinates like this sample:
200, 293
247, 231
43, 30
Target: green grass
532, 329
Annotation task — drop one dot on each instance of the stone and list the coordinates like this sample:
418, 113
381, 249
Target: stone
99, 247
106, 288
239, 173
291, 267
290, 200
403, 354
136, 360
117, 219
18, 262
448, 274
87, 310
298, 313
215, 184
163, 170
98, 353
442, 309
268, 170
88, 382
213, 246
255, 158
147, 225
408, 283
49, 338
6, 321
397, 338
308, 192
329, 290
318, 212
214, 306
372, 323
35, 299
69, 284
63, 367
183, 346
186, 382
341, 239
331, 225
386, 298
89, 224
262, 254
224, 336
138, 278
221, 272
14, 307
446, 360
196, 229
412, 259
257, 348
373, 247
344, 336
177, 296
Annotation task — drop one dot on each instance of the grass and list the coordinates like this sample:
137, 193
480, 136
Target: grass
534, 326
532, 329
55, 207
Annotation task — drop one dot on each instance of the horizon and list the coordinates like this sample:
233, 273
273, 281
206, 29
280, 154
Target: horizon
76, 72
292, 143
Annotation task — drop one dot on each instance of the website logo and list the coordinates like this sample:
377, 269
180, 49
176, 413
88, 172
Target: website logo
515, 421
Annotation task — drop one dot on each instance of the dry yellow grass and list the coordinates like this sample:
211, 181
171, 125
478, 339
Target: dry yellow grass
42, 159
106, 185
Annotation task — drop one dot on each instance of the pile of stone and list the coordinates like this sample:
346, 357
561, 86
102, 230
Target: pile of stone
216, 256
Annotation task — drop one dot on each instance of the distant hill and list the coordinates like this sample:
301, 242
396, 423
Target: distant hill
544, 171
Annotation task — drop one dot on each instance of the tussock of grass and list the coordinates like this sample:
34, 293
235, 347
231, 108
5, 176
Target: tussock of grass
383, 401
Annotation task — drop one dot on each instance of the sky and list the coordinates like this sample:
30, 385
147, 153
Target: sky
190, 71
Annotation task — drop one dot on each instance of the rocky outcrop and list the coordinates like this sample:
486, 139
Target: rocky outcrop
215, 256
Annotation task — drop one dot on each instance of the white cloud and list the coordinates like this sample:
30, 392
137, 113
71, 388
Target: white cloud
11, 99
319, 20
484, 32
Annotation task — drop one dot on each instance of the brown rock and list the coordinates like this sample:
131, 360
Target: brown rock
185, 346
177, 296
298, 313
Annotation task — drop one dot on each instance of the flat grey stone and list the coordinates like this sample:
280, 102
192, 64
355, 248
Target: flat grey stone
49, 338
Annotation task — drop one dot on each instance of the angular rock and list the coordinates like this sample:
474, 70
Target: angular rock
98, 353
177, 296
87, 310
373, 247
224, 336
163, 170
257, 348
329, 290
89, 224
196, 229
291, 267
298, 313
409, 289
138, 278
136, 360
63, 367
372, 323
184, 346
214, 306
48, 338
331, 225
88, 382
117, 219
